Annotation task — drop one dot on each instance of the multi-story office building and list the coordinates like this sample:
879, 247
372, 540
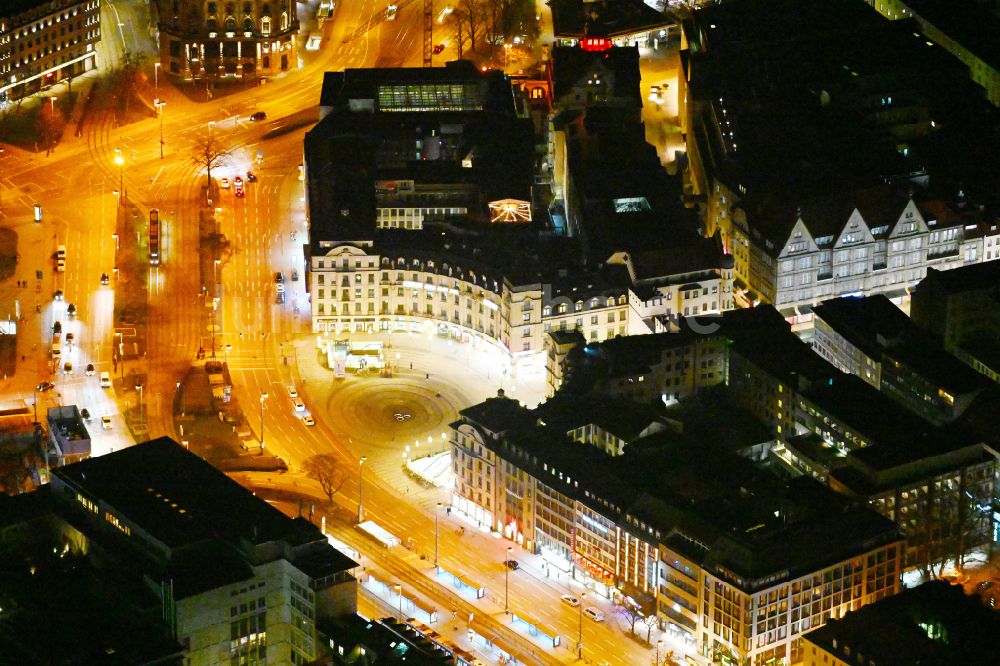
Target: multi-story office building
933, 481
43, 42
769, 151
819, 422
216, 40
873, 339
219, 572
728, 557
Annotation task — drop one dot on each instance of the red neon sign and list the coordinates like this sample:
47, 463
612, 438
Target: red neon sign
595, 44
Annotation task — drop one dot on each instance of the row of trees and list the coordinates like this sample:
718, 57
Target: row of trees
491, 22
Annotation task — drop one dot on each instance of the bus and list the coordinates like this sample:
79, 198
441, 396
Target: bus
154, 237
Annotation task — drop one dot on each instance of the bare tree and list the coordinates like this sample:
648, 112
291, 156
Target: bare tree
328, 472
473, 14
630, 613
50, 125
209, 154
649, 622
127, 78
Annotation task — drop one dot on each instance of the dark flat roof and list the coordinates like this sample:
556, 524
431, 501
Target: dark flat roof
895, 630
613, 18
975, 277
971, 26
179, 498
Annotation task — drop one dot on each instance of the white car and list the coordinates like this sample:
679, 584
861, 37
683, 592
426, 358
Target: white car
570, 599
105, 379
298, 405
292, 393
224, 183
61, 265
61, 252
106, 422
594, 614
308, 420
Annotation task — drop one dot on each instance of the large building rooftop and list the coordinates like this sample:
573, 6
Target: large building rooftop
935, 623
178, 498
808, 98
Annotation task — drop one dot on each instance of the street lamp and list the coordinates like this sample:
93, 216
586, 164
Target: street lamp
506, 581
437, 512
579, 641
159, 111
120, 161
138, 387
115, 236
659, 644
361, 488
215, 305
263, 397
121, 354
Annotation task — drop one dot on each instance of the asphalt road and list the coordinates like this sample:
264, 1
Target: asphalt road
267, 345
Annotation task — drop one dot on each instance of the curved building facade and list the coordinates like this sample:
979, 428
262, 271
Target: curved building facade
236, 39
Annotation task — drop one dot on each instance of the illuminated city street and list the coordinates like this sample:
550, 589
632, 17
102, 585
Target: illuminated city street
586, 344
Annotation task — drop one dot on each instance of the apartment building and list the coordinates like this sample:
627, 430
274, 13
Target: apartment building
45, 42
217, 40
692, 533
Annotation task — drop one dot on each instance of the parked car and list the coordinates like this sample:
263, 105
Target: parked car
68, 368
594, 614
85, 413
512, 565
71, 310
106, 422
292, 392
90, 369
298, 405
104, 279
105, 379
61, 265
61, 252
258, 116
45, 386
308, 420
570, 599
